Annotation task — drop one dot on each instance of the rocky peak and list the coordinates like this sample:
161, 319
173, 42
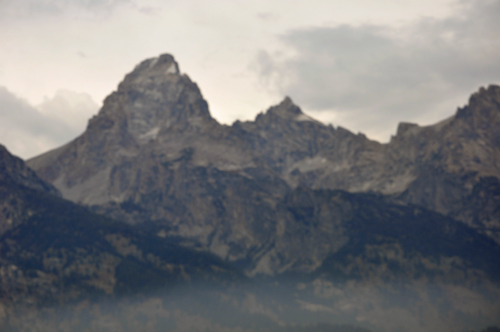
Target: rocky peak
150, 72
285, 111
482, 112
486, 96
154, 98
164, 64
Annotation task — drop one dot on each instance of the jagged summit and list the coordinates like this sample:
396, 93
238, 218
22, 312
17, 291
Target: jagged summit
287, 102
285, 110
152, 99
482, 110
163, 64
152, 71
491, 94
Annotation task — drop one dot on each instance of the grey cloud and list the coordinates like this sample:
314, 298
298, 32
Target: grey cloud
373, 76
18, 113
27, 132
79, 8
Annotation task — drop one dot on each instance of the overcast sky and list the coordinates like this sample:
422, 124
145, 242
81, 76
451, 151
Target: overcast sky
362, 64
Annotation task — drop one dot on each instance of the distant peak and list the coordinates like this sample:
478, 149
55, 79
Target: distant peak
484, 104
287, 101
285, 109
492, 92
152, 99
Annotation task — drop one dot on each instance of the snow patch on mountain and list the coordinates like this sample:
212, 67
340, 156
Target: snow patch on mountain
150, 135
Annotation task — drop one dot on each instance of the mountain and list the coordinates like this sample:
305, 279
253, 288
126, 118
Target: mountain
328, 225
154, 155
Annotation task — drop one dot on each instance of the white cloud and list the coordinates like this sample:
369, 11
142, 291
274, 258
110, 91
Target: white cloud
71, 108
27, 131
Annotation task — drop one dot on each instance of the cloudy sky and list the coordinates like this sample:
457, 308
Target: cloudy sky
361, 64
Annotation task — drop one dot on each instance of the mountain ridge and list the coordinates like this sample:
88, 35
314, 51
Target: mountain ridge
329, 223
159, 113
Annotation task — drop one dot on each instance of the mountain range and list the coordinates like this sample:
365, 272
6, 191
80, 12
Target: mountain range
295, 221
